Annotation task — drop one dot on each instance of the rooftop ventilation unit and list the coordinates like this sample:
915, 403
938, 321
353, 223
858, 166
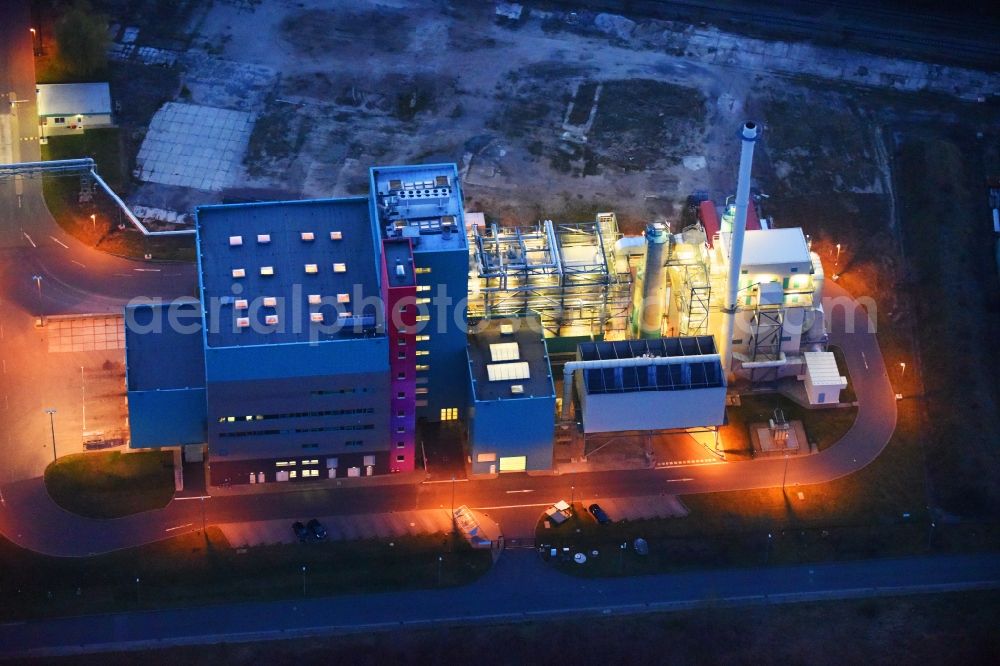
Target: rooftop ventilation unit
242, 322
267, 270
400, 269
504, 351
264, 238
307, 236
517, 389
340, 268
343, 298
314, 299
316, 317
270, 302
235, 240
441, 181
271, 320
312, 268
336, 235
499, 372
395, 184
239, 272
506, 329
241, 304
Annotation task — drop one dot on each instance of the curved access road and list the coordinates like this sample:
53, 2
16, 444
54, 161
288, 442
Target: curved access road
29, 518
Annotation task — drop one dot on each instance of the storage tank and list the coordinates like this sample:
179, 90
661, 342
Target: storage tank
654, 283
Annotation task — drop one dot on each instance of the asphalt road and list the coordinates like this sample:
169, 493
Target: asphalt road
519, 588
74, 278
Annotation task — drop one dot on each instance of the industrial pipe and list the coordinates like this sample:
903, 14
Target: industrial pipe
749, 136
654, 281
637, 361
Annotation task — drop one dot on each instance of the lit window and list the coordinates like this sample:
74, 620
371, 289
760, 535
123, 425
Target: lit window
423, 287
230, 418
421, 270
486, 457
423, 317
421, 391
343, 298
336, 235
423, 301
423, 338
340, 268
264, 238
307, 236
267, 270
310, 462
239, 272
314, 299
270, 301
235, 240
449, 413
309, 473
293, 474
422, 367
312, 268
422, 352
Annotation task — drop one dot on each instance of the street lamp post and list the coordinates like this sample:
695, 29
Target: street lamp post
83, 398
93, 221
572, 497
837, 262
767, 554
136, 590
52, 426
902, 369
38, 281
303, 580
440, 562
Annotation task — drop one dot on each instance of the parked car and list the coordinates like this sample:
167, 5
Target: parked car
300, 531
600, 514
316, 530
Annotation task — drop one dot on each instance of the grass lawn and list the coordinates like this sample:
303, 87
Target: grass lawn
109, 230
931, 629
196, 568
824, 427
111, 484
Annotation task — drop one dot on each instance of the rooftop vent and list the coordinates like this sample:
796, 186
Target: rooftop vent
271, 320
270, 302
316, 317
239, 272
312, 268
314, 299
241, 304
263, 238
343, 298
307, 236
267, 270
336, 235
517, 389
498, 372
242, 322
506, 329
400, 269
340, 268
235, 240
395, 184
441, 181
504, 351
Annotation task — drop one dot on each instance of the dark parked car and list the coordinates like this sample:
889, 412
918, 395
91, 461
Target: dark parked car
300, 531
317, 530
602, 517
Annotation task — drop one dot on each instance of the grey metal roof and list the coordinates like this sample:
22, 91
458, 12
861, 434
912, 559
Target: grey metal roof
322, 248
70, 99
527, 333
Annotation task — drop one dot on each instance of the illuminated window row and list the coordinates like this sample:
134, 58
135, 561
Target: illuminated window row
297, 415
289, 431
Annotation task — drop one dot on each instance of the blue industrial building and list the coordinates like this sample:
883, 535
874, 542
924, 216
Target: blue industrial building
286, 370
512, 407
424, 204
165, 374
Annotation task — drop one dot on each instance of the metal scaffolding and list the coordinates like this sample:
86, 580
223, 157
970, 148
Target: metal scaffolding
563, 272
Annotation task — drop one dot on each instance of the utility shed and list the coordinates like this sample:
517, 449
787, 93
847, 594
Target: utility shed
73, 107
620, 391
776, 251
165, 374
823, 380
512, 415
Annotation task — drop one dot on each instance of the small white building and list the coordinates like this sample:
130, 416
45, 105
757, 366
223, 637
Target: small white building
823, 381
71, 108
